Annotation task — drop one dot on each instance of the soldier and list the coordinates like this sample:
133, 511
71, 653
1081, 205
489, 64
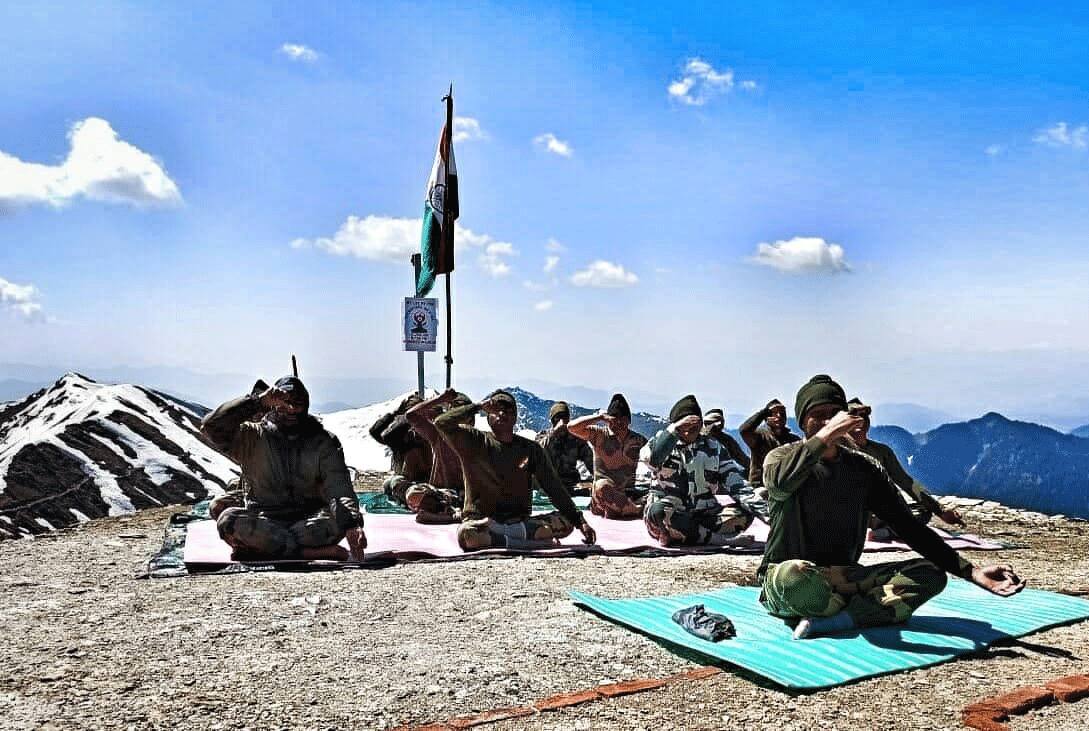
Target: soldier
685, 465
438, 500
410, 454
499, 468
714, 426
299, 502
565, 450
616, 456
923, 505
821, 496
763, 440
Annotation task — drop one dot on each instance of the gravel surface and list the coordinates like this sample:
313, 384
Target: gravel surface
87, 645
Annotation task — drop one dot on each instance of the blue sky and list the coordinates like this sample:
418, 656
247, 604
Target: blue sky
943, 151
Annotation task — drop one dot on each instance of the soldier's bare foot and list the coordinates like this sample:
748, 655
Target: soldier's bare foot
325, 553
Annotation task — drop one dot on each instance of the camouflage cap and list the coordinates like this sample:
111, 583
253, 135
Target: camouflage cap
501, 395
559, 410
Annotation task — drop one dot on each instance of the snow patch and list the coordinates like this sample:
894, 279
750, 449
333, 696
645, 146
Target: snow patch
81, 517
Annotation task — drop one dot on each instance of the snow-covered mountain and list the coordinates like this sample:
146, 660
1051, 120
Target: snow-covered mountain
81, 449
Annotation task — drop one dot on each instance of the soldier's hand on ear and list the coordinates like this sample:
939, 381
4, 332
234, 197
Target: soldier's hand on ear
692, 421
273, 398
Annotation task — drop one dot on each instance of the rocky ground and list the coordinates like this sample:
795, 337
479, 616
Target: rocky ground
88, 645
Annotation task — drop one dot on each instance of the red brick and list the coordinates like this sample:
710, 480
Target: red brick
496, 714
982, 721
563, 700
629, 686
701, 673
1024, 699
1071, 688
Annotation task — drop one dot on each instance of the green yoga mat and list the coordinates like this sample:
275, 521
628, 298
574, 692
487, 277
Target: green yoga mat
960, 620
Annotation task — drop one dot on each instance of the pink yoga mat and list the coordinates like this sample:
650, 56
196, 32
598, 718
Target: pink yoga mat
400, 537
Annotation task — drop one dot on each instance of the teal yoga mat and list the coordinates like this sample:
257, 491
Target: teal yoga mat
960, 620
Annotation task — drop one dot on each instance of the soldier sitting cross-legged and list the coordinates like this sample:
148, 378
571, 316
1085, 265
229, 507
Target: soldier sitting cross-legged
822, 492
499, 468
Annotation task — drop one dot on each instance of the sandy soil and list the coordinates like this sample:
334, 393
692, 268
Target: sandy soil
88, 645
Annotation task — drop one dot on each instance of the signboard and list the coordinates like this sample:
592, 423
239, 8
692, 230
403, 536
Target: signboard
421, 323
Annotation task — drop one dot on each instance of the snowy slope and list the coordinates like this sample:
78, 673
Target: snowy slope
82, 449
351, 425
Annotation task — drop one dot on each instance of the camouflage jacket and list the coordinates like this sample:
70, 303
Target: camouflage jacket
566, 451
695, 472
286, 475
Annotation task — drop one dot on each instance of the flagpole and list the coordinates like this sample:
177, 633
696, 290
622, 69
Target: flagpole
416, 266
449, 130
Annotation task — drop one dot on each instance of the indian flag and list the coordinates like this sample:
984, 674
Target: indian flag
440, 212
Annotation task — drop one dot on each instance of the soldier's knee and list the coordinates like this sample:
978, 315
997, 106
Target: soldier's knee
658, 512
395, 488
227, 523
474, 535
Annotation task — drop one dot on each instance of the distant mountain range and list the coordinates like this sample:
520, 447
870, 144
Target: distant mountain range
1081, 431
1015, 463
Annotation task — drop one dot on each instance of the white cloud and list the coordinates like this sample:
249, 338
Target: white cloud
99, 166
20, 298
700, 82
604, 274
555, 247
550, 142
994, 150
543, 306
1063, 135
551, 262
802, 254
536, 286
385, 238
299, 52
467, 128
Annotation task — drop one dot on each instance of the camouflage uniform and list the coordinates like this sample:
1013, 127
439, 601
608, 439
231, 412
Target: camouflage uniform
233, 497
615, 464
681, 507
873, 595
566, 451
819, 513
441, 497
297, 491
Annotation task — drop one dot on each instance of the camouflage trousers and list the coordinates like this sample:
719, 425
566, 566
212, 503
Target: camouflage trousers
538, 531
610, 501
437, 504
255, 535
395, 487
873, 595
671, 523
